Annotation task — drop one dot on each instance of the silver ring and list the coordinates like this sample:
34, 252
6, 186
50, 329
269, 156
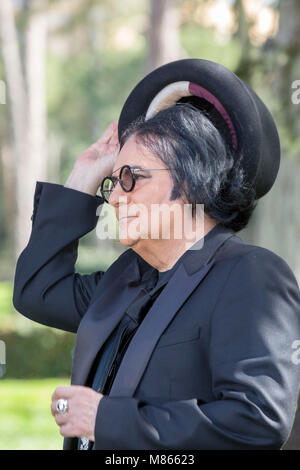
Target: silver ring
62, 405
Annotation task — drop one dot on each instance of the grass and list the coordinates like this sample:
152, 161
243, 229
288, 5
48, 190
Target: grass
26, 422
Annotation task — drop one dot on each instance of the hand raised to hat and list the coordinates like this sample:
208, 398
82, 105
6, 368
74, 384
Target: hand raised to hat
96, 162
80, 418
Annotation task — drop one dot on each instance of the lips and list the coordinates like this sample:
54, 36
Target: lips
124, 219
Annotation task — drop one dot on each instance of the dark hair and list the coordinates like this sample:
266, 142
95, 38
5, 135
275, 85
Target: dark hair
203, 168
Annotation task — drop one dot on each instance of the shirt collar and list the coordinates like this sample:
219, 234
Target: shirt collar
193, 259
202, 252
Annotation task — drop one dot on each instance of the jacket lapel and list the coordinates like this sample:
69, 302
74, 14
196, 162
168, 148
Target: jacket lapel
100, 320
138, 353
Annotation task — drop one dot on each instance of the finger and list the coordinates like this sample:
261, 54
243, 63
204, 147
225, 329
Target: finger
53, 408
61, 418
64, 392
114, 141
115, 137
67, 430
60, 392
108, 133
68, 391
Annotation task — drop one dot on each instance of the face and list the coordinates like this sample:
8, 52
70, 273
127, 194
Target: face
145, 213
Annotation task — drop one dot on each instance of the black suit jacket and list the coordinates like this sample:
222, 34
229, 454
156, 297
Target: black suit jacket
210, 367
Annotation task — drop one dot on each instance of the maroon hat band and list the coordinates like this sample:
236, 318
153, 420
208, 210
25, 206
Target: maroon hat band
201, 92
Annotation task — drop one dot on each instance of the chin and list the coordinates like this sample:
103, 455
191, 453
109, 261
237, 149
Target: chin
128, 241
130, 237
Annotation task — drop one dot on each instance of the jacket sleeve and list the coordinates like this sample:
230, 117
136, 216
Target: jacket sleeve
46, 288
254, 377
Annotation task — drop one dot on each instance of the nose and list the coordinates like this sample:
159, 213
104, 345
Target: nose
116, 194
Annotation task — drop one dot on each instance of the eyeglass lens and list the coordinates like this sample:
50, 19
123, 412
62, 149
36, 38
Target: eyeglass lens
126, 181
126, 178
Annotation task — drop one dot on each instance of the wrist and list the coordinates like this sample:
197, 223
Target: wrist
79, 181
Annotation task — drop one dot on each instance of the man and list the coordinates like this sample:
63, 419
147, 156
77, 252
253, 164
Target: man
177, 348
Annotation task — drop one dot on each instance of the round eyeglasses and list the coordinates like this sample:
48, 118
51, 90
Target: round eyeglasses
127, 179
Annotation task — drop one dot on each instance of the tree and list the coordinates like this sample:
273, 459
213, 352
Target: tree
163, 33
26, 91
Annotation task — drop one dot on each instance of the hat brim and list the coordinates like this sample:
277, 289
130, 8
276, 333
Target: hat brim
251, 129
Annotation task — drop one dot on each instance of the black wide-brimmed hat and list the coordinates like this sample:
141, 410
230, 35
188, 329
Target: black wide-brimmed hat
234, 108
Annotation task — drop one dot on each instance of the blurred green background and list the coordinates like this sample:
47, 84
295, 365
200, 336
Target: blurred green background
66, 68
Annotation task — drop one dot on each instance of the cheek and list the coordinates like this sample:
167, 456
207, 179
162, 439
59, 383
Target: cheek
160, 191
150, 197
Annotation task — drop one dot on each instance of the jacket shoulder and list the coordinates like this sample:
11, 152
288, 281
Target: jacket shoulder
236, 251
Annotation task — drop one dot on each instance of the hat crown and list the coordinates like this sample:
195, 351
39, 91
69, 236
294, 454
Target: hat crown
232, 105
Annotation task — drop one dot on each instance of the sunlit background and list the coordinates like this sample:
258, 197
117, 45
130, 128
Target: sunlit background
66, 68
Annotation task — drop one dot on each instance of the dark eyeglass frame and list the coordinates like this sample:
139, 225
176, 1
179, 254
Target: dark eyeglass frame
115, 179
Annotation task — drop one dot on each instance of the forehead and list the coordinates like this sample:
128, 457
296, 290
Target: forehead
135, 154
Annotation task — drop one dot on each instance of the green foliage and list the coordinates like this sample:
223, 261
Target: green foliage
32, 350
201, 43
40, 352
26, 420
94, 258
86, 92
6, 306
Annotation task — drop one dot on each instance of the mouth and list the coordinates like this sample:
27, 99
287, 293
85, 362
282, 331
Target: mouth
124, 219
